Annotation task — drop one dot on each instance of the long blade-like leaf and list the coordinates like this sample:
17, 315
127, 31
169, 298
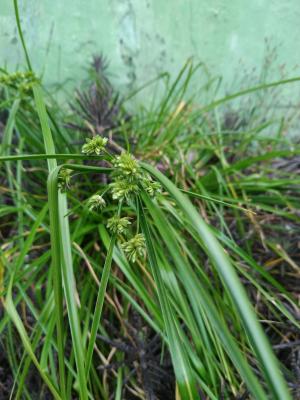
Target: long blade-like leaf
99, 303
236, 290
183, 371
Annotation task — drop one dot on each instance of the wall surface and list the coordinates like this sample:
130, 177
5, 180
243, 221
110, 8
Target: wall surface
144, 37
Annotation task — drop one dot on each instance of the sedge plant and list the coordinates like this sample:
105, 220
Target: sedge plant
141, 232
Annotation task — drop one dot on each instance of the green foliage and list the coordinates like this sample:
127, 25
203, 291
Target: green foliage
191, 234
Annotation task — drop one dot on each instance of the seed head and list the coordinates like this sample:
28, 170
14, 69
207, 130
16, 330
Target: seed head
135, 247
151, 187
64, 179
96, 202
118, 225
96, 145
127, 167
22, 81
123, 189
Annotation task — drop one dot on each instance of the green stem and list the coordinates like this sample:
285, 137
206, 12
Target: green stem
57, 276
99, 303
50, 156
100, 298
17, 15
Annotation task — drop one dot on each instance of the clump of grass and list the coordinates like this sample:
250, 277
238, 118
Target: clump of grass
98, 110
182, 251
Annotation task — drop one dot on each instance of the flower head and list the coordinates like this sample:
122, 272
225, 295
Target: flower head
96, 202
118, 225
151, 187
135, 247
129, 178
122, 189
96, 145
64, 179
22, 81
127, 167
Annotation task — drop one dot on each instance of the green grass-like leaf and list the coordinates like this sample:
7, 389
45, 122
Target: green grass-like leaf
230, 278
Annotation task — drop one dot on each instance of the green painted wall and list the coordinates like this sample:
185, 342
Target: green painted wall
144, 37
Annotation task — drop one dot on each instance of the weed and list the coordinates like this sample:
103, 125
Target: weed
194, 234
